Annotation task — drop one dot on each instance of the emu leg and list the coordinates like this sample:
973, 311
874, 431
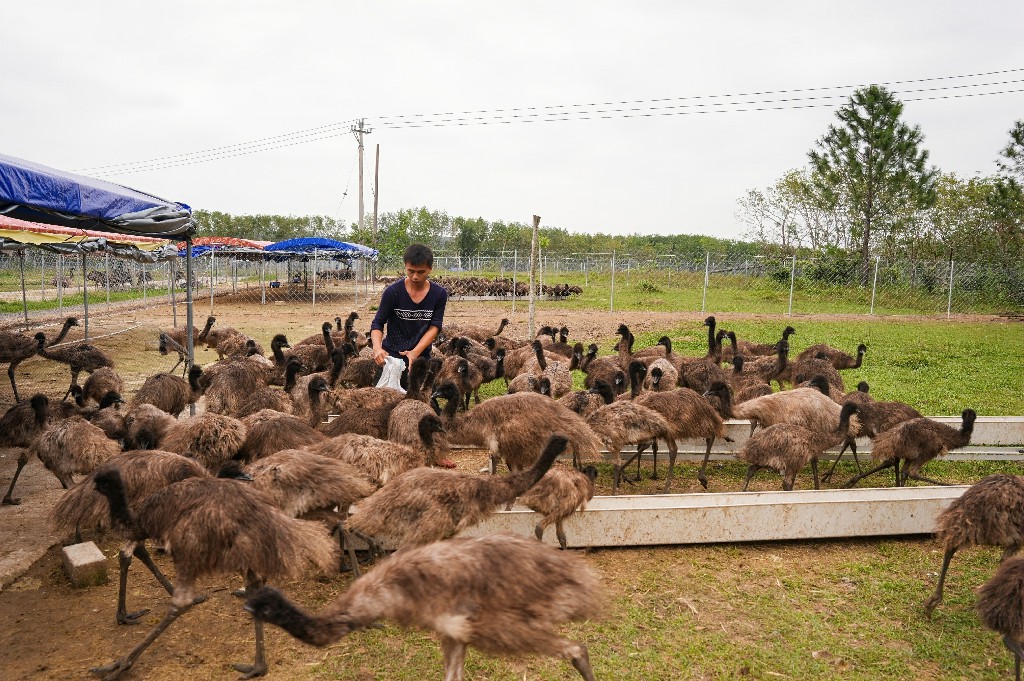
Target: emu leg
142, 554
454, 655
8, 499
885, 464
124, 559
701, 476
538, 530
14, 387
654, 453
853, 450
936, 598
828, 476
259, 663
751, 472
1018, 652
629, 461
560, 533
814, 470
672, 451
113, 670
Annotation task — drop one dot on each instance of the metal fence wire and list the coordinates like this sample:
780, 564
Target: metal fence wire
38, 287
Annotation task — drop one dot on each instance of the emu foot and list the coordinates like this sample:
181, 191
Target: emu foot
131, 617
109, 672
930, 604
702, 479
239, 593
12, 501
250, 671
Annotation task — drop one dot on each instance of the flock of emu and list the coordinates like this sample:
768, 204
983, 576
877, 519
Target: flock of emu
295, 447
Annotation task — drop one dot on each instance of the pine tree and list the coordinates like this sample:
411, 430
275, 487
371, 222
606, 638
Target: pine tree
872, 166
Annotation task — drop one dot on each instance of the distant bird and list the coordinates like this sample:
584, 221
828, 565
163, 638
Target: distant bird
502, 594
79, 358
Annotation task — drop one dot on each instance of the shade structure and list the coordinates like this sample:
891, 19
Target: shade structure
37, 193
304, 247
245, 249
19, 235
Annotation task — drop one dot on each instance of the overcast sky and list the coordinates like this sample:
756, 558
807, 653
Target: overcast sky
92, 84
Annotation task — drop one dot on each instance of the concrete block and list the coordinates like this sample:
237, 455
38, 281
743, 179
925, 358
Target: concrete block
85, 564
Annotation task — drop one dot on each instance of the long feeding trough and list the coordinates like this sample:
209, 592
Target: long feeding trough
702, 518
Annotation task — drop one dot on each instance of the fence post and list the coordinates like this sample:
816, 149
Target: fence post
42, 276
874, 286
792, 281
143, 273
212, 254
586, 274
515, 267
263, 283
170, 290
314, 281
949, 302
611, 298
707, 272
60, 285
85, 296
24, 298
234, 274
106, 264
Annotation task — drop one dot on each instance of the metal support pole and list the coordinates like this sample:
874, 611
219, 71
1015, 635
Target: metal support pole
874, 286
949, 301
189, 326
707, 274
170, 290
24, 297
60, 285
106, 264
85, 297
234, 274
515, 268
263, 283
611, 297
142, 275
586, 274
211, 279
314, 281
534, 243
792, 281
42, 276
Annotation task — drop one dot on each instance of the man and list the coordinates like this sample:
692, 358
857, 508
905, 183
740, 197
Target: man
411, 308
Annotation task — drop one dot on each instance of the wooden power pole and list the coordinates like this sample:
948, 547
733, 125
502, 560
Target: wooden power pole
359, 130
533, 276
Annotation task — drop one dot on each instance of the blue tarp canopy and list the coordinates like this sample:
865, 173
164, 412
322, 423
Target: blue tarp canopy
327, 248
37, 193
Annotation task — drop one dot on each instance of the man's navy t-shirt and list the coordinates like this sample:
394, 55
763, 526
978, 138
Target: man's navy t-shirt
408, 321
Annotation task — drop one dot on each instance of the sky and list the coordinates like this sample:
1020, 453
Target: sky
246, 107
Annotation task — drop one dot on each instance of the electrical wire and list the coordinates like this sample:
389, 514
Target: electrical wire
642, 108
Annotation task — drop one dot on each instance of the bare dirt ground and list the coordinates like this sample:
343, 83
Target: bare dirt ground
51, 631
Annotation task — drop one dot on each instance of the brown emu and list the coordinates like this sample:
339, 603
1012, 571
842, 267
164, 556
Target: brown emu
450, 588
1001, 607
428, 504
179, 336
15, 348
168, 392
586, 402
515, 427
559, 494
19, 427
624, 422
214, 526
143, 473
989, 513
787, 447
79, 358
917, 442
838, 358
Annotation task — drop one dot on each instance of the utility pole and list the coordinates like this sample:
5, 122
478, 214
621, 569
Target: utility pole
376, 203
359, 130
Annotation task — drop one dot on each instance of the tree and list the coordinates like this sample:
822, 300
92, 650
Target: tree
1007, 198
789, 216
873, 167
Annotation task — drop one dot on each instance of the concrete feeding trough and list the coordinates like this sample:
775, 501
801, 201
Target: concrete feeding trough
667, 519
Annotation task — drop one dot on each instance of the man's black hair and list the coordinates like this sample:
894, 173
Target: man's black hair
418, 254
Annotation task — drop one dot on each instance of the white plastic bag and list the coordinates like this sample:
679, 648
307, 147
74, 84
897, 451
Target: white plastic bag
391, 375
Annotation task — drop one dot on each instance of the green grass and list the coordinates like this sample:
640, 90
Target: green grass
76, 299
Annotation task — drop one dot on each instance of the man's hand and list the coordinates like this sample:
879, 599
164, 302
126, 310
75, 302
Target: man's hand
410, 356
379, 356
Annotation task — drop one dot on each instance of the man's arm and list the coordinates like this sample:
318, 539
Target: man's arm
379, 353
387, 306
428, 337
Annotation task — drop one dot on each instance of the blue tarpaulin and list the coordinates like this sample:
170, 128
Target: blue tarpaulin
37, 193
325, 247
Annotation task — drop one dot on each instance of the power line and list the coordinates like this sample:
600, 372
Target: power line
644, 108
